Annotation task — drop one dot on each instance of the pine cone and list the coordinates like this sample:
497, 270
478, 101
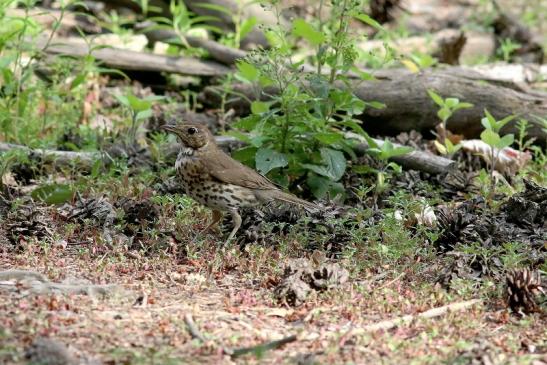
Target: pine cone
523, 287
27, 221
459, 183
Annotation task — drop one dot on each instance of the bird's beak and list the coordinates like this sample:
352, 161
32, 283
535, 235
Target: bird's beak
169, 128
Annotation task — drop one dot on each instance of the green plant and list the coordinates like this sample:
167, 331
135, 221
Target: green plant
297, 135
37, 107
182, 22
383, 152
447, 107
139, 109
423, 60
242, 26
523, 125
506, 49
491, 136
7, 160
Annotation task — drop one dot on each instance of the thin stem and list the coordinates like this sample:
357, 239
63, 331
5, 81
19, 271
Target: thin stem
320, 61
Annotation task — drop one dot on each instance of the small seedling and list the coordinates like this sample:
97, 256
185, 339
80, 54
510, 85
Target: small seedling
384, 152
507, 47
139, 109
447, 107
491, 136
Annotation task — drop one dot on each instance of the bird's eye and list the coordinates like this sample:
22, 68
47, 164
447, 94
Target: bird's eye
192, 130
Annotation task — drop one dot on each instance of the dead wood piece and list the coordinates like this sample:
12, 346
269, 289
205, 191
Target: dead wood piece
450, 49
36, 283
218, 52
50, 351
382, 10
193, 328
431, 313
136, 61
80, 289
60, 157
21, 275
417, 160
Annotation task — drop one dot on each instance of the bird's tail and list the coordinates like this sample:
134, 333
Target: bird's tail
289, 198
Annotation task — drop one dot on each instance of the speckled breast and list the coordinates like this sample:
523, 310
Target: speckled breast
201, 187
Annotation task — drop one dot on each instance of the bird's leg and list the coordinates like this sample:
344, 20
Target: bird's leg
217, 216
236, 219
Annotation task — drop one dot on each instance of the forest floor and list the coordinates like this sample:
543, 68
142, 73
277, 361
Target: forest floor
231, 295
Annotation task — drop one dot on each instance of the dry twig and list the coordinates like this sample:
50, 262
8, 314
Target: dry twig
431, 313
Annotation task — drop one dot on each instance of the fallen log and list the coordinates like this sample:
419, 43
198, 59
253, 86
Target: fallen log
130, 60
49, 17
408, 106
218, 52
416, 160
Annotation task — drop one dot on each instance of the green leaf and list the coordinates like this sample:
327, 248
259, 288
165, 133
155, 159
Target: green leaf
368, 20
215, 7
241, 136
504, 121
444, 114
248, 123
398, 151
259, 107
144, 114
443, 150
78, 80
303, 29
247, 71
375, 104
395, 167
367, 76
267, 160
353, 125
245, 155
363, 169
372, 145
246, 27
486, 123
490, 118
329, 138
123, 100
436, 98
506, 141
137, 104
464, 106
490, 137
318, 169
452, 102
322, 187
335, 161
53, 193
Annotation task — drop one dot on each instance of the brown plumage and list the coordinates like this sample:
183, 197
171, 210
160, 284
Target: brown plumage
219, 182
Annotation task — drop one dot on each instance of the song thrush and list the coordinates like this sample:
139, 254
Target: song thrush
219, 182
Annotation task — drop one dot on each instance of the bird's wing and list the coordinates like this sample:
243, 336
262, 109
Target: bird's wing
227, 170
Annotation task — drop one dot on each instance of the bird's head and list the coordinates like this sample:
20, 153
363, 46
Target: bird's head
191, 135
